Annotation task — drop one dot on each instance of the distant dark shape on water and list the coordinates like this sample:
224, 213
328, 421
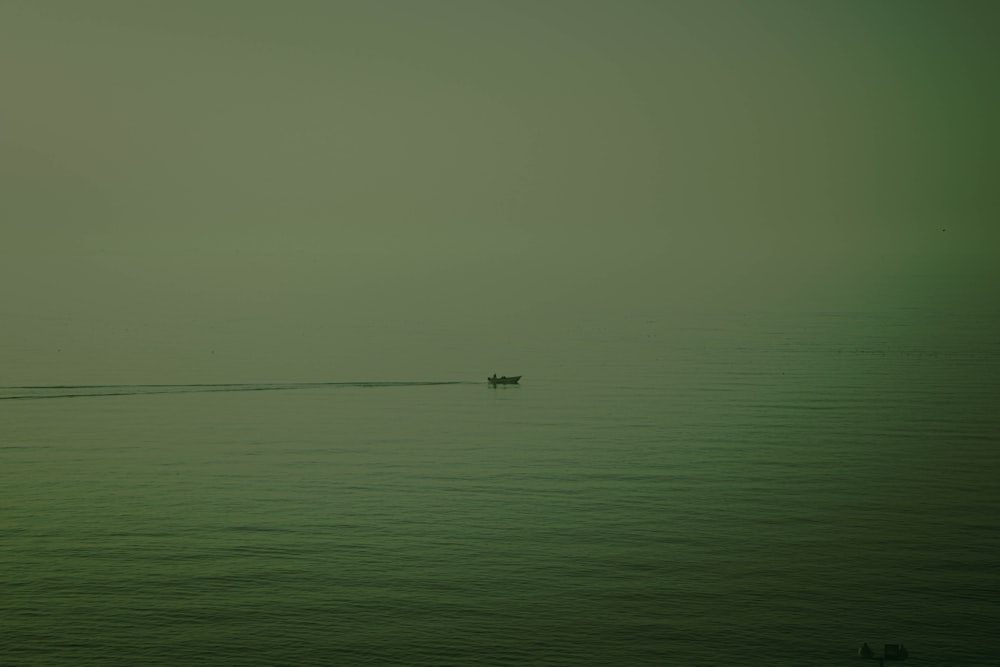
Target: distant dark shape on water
494, 380
889, 652
895, 652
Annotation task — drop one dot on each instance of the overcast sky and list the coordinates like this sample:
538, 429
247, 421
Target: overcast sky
233, 189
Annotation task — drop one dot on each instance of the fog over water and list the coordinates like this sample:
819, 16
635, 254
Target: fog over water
258, 258
312, 191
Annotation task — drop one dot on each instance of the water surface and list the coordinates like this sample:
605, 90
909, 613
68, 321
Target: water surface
767, 489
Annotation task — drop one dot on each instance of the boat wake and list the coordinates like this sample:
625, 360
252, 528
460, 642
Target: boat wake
83, 391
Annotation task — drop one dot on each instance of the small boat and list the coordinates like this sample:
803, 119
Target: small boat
494, 381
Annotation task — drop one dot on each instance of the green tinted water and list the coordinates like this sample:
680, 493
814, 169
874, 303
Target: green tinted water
757, 490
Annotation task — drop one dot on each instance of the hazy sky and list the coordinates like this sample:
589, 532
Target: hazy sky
245, 189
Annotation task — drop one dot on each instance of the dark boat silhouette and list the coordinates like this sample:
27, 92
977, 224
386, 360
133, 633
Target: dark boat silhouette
494, 380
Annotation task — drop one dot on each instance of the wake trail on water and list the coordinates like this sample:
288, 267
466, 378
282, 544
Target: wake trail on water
85, 391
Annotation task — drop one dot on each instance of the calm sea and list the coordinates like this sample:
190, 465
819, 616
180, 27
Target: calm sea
748, 489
